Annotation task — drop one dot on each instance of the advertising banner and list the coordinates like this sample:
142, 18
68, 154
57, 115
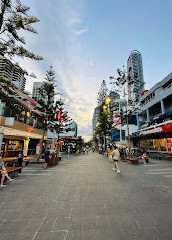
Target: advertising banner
9, 121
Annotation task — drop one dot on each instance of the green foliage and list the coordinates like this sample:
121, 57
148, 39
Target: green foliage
13, 18
49, 107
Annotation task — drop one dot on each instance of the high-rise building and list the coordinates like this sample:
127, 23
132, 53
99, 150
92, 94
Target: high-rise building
35, 92
12, 72
136, 81
95, 118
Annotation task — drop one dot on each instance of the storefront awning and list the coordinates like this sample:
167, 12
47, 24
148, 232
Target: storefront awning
15, 132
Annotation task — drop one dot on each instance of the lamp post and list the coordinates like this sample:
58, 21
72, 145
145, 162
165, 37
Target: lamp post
108, 101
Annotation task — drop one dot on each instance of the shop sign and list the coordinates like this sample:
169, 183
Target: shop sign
9, 121
144, 92
157, 130
30, 129
32, 101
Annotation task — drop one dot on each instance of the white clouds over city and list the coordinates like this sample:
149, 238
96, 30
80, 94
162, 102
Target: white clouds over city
60, 46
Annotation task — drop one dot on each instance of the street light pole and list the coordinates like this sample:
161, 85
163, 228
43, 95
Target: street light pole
120, 124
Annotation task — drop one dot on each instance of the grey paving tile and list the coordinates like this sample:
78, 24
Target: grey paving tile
47, 225
99, 235
51, 235
11, 215
33, 226
66, 224
95, 223
12, 236
1, 236
15, 226
34, 214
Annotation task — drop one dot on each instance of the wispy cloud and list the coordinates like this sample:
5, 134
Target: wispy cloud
74, 21
63, 50
82, 31
90, 63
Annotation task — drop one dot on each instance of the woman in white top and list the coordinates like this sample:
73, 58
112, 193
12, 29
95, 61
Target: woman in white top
116, 158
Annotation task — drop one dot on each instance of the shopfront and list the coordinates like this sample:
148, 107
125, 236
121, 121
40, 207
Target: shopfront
15, 141
157, 138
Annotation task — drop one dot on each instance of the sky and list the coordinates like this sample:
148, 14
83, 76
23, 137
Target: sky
87, 40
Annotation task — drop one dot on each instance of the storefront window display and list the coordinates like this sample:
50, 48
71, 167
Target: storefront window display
155, 144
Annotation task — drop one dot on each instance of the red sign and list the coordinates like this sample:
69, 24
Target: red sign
59, 115
30, 129
143, 93
157, 130
32, 101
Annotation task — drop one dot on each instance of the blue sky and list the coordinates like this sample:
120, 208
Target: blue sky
87, 40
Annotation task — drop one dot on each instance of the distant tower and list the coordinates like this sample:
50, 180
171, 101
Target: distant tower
35, 92
135, 67
12, 72
114, 95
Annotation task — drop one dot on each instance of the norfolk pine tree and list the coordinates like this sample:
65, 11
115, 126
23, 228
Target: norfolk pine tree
13, 18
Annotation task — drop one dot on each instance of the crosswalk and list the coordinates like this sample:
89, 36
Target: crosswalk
159, 168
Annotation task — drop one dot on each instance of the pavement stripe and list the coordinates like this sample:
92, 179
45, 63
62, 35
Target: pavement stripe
168, 176
156, 173
161, 169
36, 174
47, 170
157, 165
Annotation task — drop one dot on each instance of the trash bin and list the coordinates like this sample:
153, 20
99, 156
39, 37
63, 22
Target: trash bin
53, 159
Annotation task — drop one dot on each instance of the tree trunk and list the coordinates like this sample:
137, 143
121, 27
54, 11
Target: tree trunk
2, 14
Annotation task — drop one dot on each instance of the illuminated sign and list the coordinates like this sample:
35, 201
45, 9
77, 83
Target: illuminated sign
32, 101
9, 121
156, 130
30, 129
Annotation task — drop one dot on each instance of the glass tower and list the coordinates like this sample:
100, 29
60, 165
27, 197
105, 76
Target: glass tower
135, 76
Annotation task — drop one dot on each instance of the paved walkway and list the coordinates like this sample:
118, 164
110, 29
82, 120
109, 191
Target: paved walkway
83, 199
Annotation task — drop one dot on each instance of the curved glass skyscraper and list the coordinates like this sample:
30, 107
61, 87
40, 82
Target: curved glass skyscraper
135, 76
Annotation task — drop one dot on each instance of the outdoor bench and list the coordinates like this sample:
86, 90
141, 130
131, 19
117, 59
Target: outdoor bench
25, 162
13, 171
133, 160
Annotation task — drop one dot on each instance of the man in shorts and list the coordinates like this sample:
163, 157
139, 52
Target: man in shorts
116, 158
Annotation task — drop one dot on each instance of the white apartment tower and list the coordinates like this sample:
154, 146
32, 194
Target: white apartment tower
12, 72
136, 80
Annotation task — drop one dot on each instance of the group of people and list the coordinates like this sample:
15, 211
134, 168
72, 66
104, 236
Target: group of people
115, 155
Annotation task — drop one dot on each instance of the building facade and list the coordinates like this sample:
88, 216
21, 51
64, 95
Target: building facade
95, 118
35, 92
155, 117
12, 72
135, 70
19, 132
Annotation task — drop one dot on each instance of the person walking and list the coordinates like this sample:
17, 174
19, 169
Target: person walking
116, 158
110, 154
47, 158
144, 157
